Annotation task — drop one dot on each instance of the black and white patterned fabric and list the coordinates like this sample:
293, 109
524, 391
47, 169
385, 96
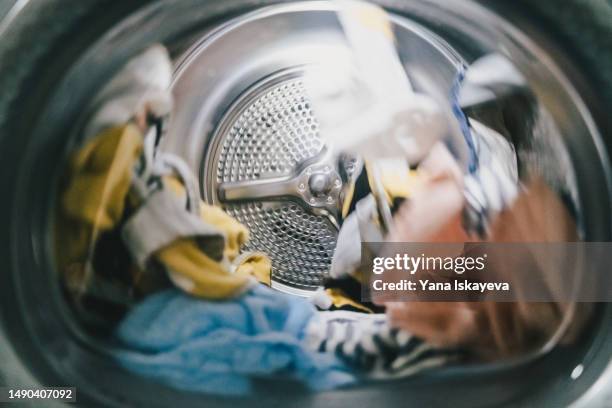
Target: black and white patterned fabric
367, 342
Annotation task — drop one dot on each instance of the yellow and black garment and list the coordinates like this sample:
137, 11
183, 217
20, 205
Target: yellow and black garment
128, 224
361, 222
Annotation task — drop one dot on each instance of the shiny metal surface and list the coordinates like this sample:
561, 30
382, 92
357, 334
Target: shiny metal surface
35, 323
267, 148
246, 126
9, 9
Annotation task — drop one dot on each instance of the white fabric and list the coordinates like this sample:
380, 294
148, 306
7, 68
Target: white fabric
144, 81
158, 222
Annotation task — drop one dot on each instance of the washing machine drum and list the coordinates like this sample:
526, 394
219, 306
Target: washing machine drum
270, 170
243, 121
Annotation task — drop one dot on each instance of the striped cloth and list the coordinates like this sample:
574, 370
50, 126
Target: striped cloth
372, 347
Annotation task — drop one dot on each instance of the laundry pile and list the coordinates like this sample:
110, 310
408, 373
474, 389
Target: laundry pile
217, 347
139, 252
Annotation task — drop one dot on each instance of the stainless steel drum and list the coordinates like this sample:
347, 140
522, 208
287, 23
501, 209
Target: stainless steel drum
244, 123
271, 175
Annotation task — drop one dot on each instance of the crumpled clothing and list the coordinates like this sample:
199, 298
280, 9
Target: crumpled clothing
219, 347
92, 200
93, 205
129, 221
494, 186
142, 83
361, 224
374, 349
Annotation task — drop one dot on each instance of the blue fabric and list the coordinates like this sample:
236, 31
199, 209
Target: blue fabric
463, 121
216, 347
